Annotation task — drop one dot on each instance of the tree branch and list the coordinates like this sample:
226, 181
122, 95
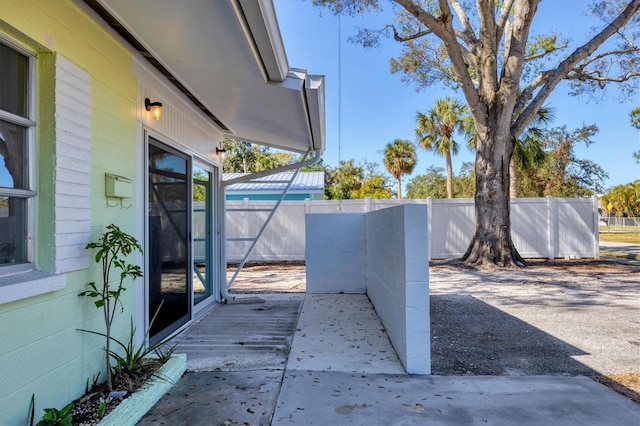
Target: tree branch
545, 53
598, 77
603, 55
487, 53
401, 39
569, 64
527, 93
505, 10
442, 28
467, 33
514, 63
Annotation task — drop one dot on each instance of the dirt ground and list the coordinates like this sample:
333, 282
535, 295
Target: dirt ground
563, 317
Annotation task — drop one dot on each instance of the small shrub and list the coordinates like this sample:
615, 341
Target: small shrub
55, 417
113, 246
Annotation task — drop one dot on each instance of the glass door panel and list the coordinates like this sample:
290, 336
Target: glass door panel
202, 237
169, 209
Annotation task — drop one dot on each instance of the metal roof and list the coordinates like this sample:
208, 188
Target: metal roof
305, 181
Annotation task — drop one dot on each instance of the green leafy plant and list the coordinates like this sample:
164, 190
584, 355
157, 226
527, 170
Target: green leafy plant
102, 408
94, 383
55, 417
134, 362
113, 247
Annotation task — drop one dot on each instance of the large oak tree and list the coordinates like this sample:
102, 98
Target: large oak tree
486, 48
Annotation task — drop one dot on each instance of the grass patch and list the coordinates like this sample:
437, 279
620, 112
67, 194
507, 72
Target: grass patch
620, 255
626, 384
620, 237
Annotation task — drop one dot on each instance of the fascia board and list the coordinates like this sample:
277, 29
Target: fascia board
264, 33
314, 90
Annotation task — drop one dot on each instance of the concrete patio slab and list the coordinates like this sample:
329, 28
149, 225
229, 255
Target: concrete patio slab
333, 398
218, 398
342, 370
341, 332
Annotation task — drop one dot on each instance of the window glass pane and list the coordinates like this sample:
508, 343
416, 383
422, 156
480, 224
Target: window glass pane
13, 156
13, 230
14, 73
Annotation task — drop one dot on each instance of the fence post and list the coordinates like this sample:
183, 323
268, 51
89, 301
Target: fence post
429, 222
552, 218
596, 228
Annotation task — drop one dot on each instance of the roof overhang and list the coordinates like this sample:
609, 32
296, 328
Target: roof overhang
229, 58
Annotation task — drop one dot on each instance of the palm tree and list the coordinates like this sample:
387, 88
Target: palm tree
435, 131
400, 159
529, 150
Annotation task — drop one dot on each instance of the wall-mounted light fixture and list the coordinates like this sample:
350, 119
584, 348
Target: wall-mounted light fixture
155, 108
220, 151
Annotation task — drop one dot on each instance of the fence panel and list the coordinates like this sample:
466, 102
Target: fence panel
541, 227
576, 223
530, 229
283, 238
450, 227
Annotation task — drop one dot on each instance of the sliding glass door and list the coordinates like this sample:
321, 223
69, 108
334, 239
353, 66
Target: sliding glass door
169, 230
202, 235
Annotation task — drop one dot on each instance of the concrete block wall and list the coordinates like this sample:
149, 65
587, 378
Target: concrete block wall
336, 253
385, 255
398, 281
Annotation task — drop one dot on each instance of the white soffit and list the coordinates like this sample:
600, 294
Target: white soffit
229, 55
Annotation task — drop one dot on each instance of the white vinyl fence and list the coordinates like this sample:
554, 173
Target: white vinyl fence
541, 227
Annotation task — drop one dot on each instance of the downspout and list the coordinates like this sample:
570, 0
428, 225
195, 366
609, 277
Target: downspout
224, 291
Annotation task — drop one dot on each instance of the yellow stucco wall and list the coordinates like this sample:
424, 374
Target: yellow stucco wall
42, 352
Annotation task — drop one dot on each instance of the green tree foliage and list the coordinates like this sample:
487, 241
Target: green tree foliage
352, 181
625, 199
635, 122
238, 156
528, 153
563, 174
506, 69
317, 167
374, 186
434, 183
431, 184
199, 189
436, 130
465, 185
243, 157
400, 159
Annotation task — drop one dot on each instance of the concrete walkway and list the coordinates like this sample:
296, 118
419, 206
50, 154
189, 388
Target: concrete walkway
341, 369
620, 247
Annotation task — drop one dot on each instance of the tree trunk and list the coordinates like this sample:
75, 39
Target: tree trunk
399, 188
513, 179
491, 243
449, 176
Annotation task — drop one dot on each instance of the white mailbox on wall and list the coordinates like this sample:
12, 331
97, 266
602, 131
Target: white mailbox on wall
117, 186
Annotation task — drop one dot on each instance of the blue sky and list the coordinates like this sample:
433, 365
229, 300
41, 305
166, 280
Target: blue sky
367, 106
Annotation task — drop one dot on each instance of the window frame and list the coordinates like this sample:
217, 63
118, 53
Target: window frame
29, 123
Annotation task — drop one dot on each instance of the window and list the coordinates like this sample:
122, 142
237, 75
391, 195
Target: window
17, 130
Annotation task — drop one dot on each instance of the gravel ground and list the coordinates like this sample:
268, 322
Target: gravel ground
575, 317
578, 317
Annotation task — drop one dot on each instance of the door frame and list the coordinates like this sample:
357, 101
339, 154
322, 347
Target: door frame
185, 319
212, 243
216, 227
